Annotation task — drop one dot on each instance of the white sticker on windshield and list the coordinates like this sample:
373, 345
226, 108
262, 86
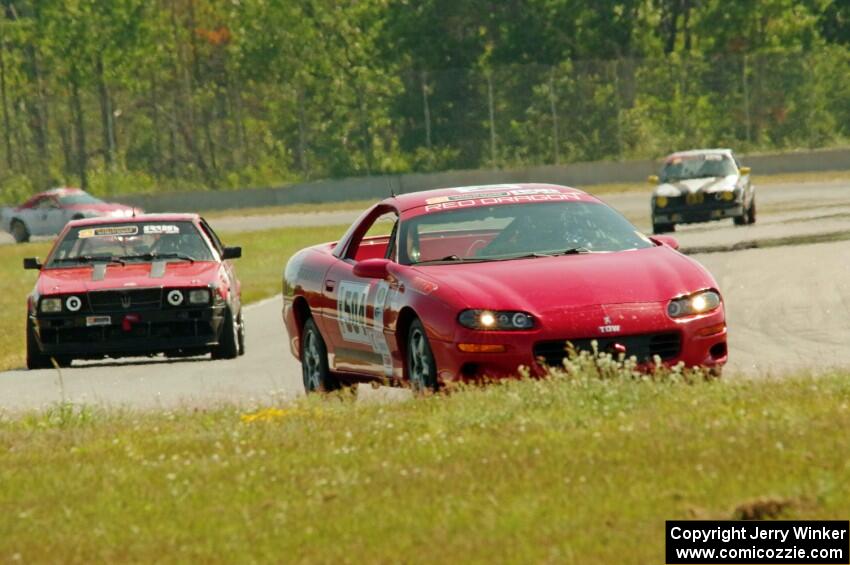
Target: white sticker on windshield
108, 232
168, 228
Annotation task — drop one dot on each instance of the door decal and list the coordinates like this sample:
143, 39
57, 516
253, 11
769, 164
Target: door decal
351, 311
355, 326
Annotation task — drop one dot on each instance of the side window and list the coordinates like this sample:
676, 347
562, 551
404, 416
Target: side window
377, 239
212, 237
45, 203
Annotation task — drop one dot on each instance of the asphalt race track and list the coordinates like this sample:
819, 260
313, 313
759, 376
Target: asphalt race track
788, 307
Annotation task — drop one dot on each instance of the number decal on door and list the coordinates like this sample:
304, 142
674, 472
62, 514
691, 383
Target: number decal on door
351, 311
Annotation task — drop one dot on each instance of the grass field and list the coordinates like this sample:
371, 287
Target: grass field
260, 269
561, 471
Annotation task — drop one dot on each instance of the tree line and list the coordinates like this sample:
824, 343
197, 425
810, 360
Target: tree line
138, 95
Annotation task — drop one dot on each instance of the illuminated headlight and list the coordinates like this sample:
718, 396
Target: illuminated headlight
698, 303
661, 201
73, 303
51, 305
174, 297
199, 296
726, 195
495, 320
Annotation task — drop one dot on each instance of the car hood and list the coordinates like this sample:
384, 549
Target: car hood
711, 184
557, 284
129, 276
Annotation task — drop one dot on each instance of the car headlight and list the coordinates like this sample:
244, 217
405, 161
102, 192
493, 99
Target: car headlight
199, 296
697, 303
495, 320
726, 195
661, 201
51, 305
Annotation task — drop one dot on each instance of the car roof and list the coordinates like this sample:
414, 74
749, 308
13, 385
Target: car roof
170, 217
693, 152
61, 191
417, 199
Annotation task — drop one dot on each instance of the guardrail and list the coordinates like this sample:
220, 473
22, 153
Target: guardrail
377, 187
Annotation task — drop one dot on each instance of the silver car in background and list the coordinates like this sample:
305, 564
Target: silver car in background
702, 185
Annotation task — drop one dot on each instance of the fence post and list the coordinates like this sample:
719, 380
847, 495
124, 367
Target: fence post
553, 103
746, 99
426, 109
490, 105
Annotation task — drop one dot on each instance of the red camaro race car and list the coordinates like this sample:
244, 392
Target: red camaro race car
134, 286
478, 281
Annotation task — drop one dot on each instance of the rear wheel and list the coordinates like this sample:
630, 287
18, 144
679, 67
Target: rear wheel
421, 366
315, 371
19, 231
663, 228
35, 358
228, 342
751, 212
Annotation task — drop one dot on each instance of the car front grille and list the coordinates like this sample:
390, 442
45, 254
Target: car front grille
136, 299
644, 347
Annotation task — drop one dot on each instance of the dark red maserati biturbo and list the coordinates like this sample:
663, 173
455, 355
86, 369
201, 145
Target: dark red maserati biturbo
478, 281
134, 286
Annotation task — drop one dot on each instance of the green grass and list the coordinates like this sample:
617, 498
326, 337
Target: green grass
260, 269
302, 208
566, 471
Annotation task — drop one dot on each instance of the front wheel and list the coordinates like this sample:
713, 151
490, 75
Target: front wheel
662, 228
19, 231
35, 358
314, 361
228, 342
421, 367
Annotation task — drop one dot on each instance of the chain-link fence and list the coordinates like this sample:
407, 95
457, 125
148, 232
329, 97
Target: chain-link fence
226, 131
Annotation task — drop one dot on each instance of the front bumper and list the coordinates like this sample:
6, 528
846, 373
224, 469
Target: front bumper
128, 333
674, 341
702, 212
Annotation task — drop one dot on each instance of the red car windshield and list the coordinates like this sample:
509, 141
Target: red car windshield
485, 233
131, 241
78, 198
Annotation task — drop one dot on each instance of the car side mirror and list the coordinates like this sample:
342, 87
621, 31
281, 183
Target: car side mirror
32, 263
372, 269
652, 179
744, 171
667, 240
231, 253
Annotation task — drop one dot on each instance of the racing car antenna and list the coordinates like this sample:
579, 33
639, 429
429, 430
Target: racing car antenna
390, 184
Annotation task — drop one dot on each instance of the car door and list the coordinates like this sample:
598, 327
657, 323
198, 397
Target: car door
55, 216
356, 328
37, 217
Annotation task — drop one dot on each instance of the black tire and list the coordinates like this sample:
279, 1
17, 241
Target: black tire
420, 366
315, 372
228, 341
663, 228
241, 334
740, 220
35, 358
751, 212
19, 231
